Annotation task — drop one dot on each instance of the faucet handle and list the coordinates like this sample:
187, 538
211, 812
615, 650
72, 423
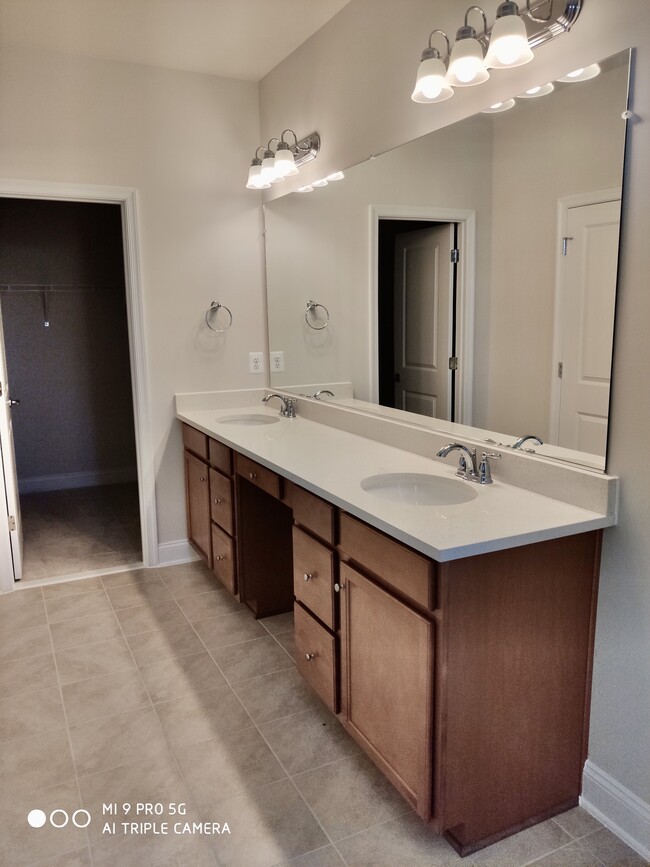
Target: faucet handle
484, 471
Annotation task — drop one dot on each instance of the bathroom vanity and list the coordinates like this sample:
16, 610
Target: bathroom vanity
453, 640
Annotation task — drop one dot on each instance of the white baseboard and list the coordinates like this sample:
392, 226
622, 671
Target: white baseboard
63, 481
180, 551
616, 807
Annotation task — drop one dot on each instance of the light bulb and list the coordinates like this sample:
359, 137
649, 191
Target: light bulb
284, 163
508, 41
430, 85
466, 65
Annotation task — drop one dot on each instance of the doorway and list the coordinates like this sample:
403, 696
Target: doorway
73, 470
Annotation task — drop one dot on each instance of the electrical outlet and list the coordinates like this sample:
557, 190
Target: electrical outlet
277, 361
256, 362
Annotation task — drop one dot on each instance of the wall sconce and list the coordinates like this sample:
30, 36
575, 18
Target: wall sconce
507, 45
283, 162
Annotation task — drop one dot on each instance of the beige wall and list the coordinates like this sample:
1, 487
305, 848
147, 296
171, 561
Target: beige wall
184, 142
352, 82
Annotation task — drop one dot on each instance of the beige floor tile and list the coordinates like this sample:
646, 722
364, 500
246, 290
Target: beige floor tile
226, 765
534, 842
202, 716
103, 696
183, 675
205, 606
31, 713
30, 641
611, 850
71, 588
188, 580
276, 695
85, 630
22, 608
150, 593
29, 674
111, 742
143, 618
279, 623
34, 763
80, 605
349, 796
176, 639
326, 857
572, 855
251, 659
268, 825
288, 642
229, 629
577, 822
131, 576
93, 660
22, 844
406, 841
308, 740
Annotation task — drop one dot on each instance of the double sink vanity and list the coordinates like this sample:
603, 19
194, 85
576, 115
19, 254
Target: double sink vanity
448, 624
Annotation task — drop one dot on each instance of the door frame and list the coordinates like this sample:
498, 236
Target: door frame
126, 197
564, 205
466, 274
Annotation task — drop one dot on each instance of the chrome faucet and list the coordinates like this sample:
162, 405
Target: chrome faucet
322, 391
465, 470
288, 409
518, 443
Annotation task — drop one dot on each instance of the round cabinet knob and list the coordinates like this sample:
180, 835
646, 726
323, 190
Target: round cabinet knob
252, 475
309, 656
203, 479
219, 557
307, 576
218, 500
339, 587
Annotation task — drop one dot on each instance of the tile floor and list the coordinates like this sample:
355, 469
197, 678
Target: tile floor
155, 687
80, 530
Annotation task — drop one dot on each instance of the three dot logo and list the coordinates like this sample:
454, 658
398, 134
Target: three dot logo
58, 818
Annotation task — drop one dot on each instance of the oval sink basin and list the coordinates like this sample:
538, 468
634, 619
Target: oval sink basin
249, 419
418, 489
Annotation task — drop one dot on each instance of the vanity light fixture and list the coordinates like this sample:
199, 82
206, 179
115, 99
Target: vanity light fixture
540, 90
283, 162
508, 44
582, 74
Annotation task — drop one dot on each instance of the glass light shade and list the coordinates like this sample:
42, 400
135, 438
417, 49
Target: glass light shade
336, 176
307, 189
269, 174
255, 181
284, 163
466, 66
582, 74
321, 183
499, 106
430, 85
508, 44
534, 92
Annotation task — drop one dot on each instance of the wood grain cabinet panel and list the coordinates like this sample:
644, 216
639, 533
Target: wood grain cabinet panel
221, 506
316, 656
387, 691
314, 514
195, 441
313, 576
223, 556
258, 475
220, 456
198, 506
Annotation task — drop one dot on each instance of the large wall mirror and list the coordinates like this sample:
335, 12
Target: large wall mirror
515, 337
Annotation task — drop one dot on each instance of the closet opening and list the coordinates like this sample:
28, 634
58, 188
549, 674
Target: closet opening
64, 334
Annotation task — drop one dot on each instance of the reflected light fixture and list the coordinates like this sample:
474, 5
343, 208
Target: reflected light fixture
508, 41
430, 84
466, 64
582, 74
499, 106
540, 90
283, 162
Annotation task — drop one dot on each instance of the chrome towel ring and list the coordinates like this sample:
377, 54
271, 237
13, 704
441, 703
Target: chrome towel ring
211, 313
311, 307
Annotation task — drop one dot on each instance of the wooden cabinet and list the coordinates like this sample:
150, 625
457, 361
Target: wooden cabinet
198, 506
316, 656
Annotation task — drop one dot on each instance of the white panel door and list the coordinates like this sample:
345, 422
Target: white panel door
11, 556
588, 327
422, 320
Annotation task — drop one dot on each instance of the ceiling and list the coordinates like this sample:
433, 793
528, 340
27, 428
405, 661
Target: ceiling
241, 39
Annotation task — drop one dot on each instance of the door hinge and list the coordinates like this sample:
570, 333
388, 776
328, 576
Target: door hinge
565, 242
453, 363
12, 523
455, 256
559, 369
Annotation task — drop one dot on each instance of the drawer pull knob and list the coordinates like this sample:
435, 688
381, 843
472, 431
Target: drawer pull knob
339, 587
219, 557
203, 478
309, 656
252, 475
218, 500
307, 576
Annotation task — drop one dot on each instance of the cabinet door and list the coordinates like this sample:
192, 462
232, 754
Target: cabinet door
387, 689
198, 506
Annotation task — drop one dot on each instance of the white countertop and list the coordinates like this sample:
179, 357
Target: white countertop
332, 463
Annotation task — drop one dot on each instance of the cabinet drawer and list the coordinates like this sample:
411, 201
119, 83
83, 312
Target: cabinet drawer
316, 656
221, 501
408, 572
265, 479
195, 441
220, 456
313, 576
314, 514
223, 554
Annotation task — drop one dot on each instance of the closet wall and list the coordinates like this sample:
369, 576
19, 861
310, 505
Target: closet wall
74, 424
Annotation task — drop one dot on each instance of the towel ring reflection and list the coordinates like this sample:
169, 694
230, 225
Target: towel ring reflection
213, 310
311, 307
